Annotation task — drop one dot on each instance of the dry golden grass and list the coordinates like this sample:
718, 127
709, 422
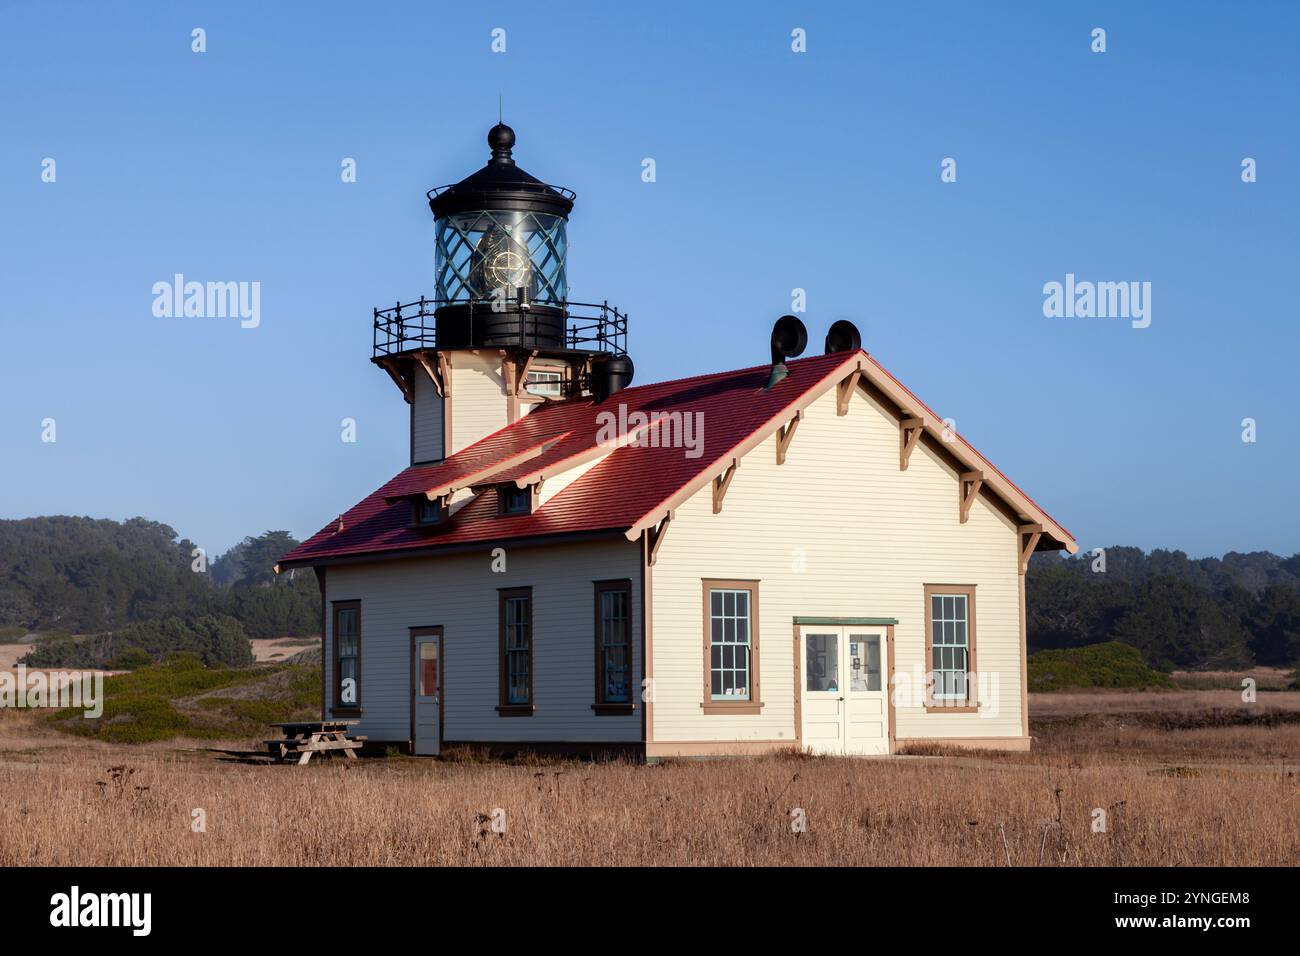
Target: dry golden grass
1216, 794
1265, 678
1084, 702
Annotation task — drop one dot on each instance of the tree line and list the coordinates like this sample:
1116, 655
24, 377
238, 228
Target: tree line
132, 586
1180, 612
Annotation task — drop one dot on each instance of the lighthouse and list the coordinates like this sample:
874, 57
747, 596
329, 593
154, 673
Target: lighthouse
499, 336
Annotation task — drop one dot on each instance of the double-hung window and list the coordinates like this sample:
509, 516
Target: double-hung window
516, 647
950, 645
347, 655
613, 647
731, 647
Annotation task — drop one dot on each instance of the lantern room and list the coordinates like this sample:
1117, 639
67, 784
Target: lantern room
500, 255
500, 336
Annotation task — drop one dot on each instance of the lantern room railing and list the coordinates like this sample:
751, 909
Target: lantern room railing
588, 326
517, 185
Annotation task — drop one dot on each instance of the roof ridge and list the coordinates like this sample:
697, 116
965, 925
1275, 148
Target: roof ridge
703, 375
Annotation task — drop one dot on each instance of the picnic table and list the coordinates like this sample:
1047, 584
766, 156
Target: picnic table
302, 738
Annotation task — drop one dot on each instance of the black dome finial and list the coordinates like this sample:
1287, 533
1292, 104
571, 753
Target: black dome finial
501, 138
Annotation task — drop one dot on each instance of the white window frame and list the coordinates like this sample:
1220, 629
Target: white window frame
545, 382
718, 627
949, 618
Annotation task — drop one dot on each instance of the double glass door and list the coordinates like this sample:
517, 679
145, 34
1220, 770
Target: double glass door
844, 705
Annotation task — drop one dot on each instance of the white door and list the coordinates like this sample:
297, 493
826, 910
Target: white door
866, 716
823, 695
426, 690
844, 705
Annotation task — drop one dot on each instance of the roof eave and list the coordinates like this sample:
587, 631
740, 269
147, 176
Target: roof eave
431, 551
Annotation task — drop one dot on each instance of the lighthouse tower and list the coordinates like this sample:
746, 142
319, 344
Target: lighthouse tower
499, 335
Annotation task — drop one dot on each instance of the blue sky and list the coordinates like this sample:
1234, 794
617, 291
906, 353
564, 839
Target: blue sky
775, 170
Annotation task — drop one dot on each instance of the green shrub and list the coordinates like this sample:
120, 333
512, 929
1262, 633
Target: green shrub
182, 698
1111, 664
130, 659
214, 639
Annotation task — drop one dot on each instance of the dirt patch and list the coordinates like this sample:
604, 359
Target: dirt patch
10, 653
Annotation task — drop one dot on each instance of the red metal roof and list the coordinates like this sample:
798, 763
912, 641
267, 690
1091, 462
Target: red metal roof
630, 482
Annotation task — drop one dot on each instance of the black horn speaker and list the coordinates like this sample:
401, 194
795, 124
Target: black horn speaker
789, 339
610, 375
843, 337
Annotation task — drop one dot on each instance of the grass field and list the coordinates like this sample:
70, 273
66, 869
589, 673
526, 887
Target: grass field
1185, 777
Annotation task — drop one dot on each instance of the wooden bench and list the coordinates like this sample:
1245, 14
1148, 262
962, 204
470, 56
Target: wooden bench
303, 738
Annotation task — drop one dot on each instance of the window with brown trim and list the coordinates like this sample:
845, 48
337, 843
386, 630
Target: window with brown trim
347, 656
731, 647
950, 647
613, 647
516, 648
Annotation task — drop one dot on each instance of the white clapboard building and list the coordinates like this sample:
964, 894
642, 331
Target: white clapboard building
800, 554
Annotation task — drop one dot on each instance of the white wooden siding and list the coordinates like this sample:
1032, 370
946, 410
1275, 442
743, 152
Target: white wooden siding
459, 592
426, 421
838, 530
478, 398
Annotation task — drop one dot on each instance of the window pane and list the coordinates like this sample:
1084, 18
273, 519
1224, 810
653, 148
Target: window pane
864, 662
823, 662
428, 672
616, 687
